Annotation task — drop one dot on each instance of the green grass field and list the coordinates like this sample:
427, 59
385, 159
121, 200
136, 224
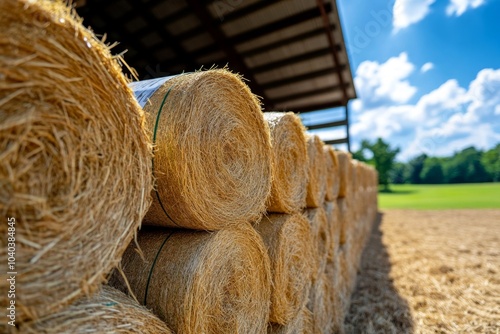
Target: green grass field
447, 196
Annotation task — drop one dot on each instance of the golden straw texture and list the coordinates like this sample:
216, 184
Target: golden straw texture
289, 242
344, 159
332, 173
321, 306
212, 160
316, 186
74, 159
321, 237
201, 282
109, 311
301, 324
333, 222
290, 173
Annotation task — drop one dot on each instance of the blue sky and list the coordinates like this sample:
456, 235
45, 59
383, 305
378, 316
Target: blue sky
427, 73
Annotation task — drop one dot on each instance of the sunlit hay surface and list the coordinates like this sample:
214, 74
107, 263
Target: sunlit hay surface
322, 238
316, 186
332, 173
430, 272
291, 249
74, 156
109, 311
290, 173
212, 160
201, 282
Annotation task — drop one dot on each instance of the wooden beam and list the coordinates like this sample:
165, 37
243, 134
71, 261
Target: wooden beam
298, 78
285, 42
315, 107
179, 51
234, 58
291, 60
327, 125
277, 25
306, 93
337, 141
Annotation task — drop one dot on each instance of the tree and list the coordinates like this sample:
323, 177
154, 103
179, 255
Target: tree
383, 159
399, 173
491, 162
432, 172
465, 167
415, 167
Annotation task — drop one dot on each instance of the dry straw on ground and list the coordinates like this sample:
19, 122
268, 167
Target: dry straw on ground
109, 311
74, 159
201, 282
434, 271
289, 242
290, 173
316, 185
212, 160
344, 159
321, 237
332, 173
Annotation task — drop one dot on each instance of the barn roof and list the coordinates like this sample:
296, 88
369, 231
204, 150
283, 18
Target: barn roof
292, 52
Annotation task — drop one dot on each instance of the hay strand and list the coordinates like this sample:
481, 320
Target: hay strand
343, 159
290, 174
321, 237
316, 186
332, 173
212, 160
333, 223
320, 305
75, 159
108, 311
201, 282
290, 246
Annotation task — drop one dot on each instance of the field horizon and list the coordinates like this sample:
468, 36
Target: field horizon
441, 196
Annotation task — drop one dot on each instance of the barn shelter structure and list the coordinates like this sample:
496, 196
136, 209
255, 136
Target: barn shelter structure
292, 52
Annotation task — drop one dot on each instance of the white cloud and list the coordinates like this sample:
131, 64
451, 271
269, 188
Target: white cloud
426, 67
384, 83
458, 7
408, 12
447, 97
443, 121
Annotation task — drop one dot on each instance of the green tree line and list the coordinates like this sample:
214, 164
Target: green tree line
469, 165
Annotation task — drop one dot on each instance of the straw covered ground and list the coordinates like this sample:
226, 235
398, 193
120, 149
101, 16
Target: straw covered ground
430, 272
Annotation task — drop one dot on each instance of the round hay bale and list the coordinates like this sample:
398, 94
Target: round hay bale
320, 305
289, 243
332, 173
343, 159
332, 275
344, 219
316, 185
108, 311
212, 157
290, 173
321, 237
201, 282
75, 167
333, 222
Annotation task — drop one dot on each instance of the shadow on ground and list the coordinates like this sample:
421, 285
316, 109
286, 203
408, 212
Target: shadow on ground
396, 192
376, 306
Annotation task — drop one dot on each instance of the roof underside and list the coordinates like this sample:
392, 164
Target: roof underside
291, 52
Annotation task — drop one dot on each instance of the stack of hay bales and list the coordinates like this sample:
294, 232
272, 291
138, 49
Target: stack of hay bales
74, 170
199, 265
250, 224
339, 202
